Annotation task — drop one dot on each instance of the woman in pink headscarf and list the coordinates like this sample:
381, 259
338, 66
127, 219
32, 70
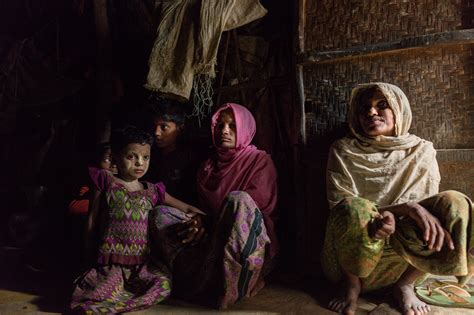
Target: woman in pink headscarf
237, 189
238, 166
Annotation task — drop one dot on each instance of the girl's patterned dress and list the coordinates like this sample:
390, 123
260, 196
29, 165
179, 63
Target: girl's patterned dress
123, 279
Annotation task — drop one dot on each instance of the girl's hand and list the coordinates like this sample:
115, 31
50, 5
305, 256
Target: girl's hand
192, 231
383, 226
433, 233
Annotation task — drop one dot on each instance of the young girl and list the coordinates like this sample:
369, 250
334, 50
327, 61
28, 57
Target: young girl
123, 279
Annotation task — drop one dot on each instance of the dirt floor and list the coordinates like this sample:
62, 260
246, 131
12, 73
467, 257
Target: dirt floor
24, 289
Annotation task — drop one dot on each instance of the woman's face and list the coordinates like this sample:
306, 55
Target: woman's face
166, 133
225, 130
375, 116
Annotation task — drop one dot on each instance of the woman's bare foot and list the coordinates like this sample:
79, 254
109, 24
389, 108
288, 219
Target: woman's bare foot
407, 300
347, 303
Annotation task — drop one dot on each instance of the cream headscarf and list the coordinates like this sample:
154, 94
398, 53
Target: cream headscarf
384, 169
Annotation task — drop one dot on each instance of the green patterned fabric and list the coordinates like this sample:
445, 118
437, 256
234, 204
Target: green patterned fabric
125, 237
379, 263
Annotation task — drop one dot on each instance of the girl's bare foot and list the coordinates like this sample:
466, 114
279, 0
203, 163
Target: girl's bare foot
407, 300
347, 303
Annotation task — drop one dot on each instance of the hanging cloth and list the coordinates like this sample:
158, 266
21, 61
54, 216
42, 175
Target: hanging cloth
188, 39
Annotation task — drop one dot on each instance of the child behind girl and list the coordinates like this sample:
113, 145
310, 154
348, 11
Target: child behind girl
123, 278
80, 204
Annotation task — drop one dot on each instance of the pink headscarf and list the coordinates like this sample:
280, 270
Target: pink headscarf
244, 168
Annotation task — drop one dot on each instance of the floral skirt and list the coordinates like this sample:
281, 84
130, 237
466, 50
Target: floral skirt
381, 262
118, 289
224, 267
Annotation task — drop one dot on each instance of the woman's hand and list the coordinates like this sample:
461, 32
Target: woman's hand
383, 226
192, 231
433, 233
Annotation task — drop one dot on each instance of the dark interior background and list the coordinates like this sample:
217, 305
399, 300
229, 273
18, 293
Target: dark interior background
67, 67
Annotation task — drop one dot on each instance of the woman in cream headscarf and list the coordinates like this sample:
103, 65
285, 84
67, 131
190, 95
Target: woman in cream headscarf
381, 182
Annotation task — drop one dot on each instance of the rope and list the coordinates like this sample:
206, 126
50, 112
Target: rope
202, 96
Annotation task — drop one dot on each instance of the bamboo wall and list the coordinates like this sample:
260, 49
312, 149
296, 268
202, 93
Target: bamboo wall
336, 24
439, 82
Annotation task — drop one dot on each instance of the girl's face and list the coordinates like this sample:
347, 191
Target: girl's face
166, 133
225, 130
375, 116
133, 161
106, 162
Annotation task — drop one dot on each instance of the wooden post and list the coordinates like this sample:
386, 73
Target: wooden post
301, 18
108, 81
239, 65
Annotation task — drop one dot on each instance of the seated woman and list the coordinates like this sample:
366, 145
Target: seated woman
388, 224
238, 191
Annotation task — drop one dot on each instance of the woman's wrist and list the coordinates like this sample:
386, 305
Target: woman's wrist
409, 206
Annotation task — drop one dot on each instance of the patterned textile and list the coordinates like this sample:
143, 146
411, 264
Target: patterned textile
225, 267
125, 240
380, 263
123, 279
165, 244
117, 289
244, 252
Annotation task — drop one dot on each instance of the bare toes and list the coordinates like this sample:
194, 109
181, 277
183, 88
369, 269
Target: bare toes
336, 305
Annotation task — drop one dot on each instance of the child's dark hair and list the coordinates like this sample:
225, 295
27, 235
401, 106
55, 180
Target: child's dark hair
168, 110
100, 150
122, 137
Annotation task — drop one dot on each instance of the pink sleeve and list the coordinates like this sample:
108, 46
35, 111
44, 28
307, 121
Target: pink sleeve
99, 177
160, 193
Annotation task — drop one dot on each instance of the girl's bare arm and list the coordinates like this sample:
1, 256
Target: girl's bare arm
180, 205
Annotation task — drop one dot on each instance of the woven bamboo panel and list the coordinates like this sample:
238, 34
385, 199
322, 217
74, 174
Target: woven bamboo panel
439, 83
457, 170
336, 24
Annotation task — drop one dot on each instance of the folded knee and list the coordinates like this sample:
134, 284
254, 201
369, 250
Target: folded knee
355, 205
239, 201
458, 203
453, 196
237, 196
